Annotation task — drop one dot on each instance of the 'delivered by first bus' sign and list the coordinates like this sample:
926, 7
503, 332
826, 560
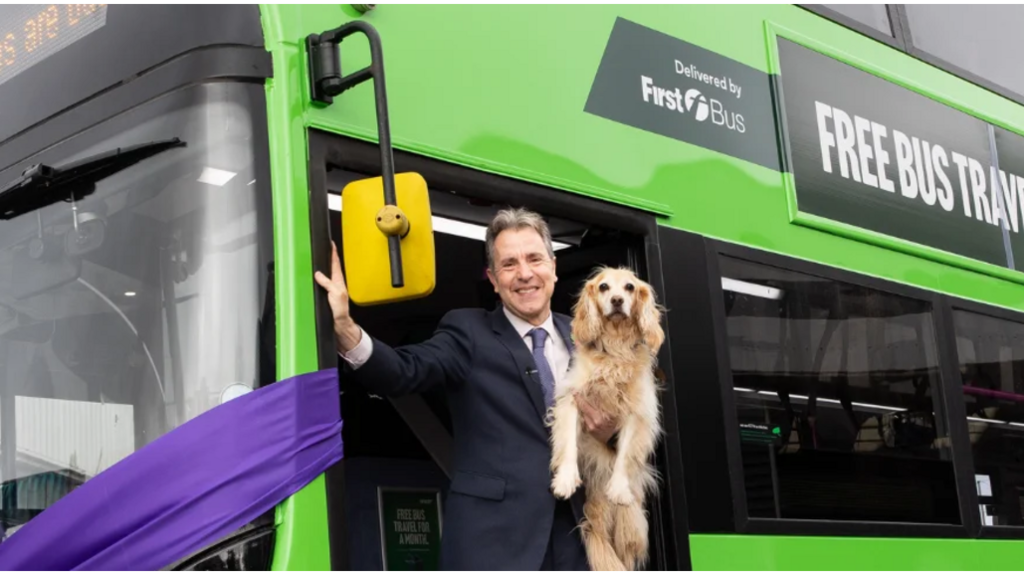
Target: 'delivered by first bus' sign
870, 153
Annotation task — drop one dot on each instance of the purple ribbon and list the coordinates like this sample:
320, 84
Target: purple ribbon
193, 485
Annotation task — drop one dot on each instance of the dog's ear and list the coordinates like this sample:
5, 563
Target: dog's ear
648, 317
586, 321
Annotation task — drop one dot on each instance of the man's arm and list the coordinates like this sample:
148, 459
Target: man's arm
415, 368
387, 371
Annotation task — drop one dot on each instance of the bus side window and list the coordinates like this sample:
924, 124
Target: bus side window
835, 388
991, 356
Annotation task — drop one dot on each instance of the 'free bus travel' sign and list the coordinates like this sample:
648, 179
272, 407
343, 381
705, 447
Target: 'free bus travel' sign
871, 154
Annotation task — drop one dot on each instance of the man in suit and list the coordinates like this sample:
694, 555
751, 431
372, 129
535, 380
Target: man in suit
498, 369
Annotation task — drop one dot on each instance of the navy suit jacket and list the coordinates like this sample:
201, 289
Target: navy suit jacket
500, 508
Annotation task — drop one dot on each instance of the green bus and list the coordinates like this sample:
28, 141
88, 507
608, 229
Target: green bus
844, 364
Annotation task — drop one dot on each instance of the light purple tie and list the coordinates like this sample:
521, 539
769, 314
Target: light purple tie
547, 377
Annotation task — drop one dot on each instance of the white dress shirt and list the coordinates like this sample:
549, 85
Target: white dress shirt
555, 349
358, 356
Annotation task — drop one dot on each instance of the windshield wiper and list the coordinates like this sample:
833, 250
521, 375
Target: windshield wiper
41, 185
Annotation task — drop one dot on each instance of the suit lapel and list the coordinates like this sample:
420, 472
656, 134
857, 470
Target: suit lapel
565, 329
525, 364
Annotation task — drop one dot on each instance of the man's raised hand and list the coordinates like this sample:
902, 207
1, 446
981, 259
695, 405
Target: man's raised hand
346, 332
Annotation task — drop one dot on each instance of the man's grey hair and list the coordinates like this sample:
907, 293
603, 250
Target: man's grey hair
516, 219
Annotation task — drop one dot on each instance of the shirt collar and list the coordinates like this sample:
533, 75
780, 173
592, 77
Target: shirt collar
523, 327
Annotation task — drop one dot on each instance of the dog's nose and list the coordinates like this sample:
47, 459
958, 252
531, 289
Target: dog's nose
617, 301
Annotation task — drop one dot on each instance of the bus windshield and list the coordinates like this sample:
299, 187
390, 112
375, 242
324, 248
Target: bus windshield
138, 306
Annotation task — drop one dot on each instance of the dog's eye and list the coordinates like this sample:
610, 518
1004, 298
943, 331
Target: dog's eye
603, 287
629, 287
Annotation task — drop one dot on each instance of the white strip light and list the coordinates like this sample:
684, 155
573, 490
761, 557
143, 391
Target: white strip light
334, 202
863, 405
825, 400
445, 225
733, 285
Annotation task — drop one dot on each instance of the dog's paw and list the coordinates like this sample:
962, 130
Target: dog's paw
618, 491
565, 483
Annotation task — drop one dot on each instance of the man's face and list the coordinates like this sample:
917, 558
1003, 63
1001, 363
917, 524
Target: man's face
524, 275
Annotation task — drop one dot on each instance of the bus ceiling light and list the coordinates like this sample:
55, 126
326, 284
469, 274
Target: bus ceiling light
733, 285
216, 177
461, 229
334, 202
474, 231
445, 225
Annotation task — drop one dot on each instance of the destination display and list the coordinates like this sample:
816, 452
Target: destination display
30, 33
870, 153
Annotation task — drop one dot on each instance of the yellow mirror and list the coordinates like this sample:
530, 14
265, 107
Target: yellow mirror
367, 227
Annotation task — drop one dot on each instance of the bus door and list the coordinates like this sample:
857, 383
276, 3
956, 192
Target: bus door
398, 450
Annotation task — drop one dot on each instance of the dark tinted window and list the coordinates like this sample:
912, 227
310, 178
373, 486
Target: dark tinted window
836, 393
873, 15
984, 40
991, 355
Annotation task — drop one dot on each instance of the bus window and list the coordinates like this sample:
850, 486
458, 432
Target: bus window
874, 15
983, 40
835, 391
991, 356
138, 307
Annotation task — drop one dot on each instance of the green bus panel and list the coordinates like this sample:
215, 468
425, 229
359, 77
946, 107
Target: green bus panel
302, 541
731, 552
503, 89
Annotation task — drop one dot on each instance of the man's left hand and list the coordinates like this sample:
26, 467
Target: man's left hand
599, 425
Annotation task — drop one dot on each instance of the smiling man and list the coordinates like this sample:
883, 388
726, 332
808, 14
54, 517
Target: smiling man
499, 369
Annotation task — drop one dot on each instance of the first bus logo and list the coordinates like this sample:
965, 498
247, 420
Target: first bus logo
692, 101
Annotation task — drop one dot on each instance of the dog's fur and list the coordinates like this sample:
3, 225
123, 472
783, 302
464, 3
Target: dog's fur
617, 329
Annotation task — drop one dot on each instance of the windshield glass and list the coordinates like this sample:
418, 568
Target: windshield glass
140, 306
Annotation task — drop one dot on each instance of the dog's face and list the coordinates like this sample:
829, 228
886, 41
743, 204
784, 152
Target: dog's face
616, 293
615, 297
